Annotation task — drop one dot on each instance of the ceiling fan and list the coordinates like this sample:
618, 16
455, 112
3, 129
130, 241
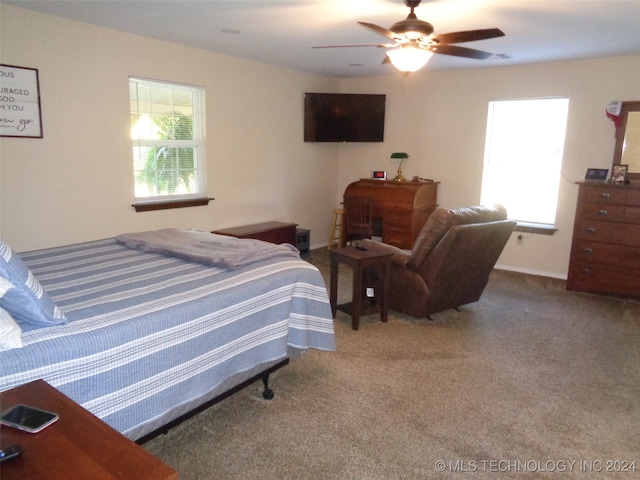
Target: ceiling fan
414, 41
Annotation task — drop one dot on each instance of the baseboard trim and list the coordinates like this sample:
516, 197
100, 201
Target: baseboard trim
528, 271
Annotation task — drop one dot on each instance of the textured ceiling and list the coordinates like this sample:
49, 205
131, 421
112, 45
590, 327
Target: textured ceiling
283, 32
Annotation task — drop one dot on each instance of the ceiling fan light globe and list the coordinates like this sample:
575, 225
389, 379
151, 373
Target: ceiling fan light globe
409, 58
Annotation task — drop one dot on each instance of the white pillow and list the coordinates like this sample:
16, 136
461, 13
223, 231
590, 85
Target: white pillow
10, 333
28, 303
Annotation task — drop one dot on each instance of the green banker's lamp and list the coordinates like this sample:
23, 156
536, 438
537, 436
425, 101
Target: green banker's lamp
402, 156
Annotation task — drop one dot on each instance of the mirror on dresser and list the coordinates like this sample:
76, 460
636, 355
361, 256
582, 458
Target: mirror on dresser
627, 149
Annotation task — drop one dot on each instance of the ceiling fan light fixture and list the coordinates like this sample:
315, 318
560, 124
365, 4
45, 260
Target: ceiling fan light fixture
409, 57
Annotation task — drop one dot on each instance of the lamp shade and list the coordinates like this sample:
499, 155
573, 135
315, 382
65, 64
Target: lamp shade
409, 57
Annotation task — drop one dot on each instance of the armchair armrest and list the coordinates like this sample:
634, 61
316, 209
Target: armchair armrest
400, 257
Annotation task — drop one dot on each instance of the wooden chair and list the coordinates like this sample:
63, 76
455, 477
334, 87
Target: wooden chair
358, 218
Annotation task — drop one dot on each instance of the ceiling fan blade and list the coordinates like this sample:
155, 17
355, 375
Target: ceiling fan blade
385, 45
382, 31
468, 35
460, 51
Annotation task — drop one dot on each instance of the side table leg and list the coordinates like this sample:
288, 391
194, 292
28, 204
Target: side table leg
384, 314
333, 289
356, 296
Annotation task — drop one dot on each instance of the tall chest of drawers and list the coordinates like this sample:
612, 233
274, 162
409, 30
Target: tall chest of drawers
605, 254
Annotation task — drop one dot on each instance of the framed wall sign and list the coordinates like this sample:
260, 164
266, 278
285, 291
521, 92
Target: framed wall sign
20, 114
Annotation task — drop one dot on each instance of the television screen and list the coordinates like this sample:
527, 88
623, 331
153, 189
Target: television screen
343, 117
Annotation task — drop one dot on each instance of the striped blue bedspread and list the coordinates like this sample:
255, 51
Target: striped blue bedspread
149, 333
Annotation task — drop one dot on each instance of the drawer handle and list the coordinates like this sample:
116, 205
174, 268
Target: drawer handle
591, 230
585, 271
588, 251
603, 212
605, 195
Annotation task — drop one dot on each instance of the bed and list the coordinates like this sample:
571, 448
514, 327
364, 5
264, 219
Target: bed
139, 339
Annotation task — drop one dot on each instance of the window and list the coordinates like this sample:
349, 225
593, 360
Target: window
167, 133
523, 158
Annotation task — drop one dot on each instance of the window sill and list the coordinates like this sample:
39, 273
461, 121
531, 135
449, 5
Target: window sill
150, 206
534, 228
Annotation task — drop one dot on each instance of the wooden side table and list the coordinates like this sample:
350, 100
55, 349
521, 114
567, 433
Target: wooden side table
359, 260
79, 445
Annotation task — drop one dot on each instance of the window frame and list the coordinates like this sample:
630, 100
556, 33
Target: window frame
529, 225
198, 143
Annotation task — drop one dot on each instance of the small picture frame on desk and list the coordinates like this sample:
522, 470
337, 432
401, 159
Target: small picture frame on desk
619, 173
379, 175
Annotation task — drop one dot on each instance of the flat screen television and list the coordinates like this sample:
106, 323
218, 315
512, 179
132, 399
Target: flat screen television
343, 117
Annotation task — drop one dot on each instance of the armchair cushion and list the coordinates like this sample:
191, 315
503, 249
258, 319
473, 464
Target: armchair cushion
437, 225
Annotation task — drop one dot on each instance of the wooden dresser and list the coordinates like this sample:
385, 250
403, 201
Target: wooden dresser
401, 208
605, 255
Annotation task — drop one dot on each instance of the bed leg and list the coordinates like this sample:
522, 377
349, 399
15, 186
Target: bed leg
267, 394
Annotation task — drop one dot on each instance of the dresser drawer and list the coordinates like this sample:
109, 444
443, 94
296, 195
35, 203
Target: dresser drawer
599, 231
633, 197
397, 229
608, 254
591, 277
397, 220
400, 241
603, 194
397, 236
610, 213
632, 215
604, 212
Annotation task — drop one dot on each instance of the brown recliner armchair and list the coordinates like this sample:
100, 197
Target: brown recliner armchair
450, 263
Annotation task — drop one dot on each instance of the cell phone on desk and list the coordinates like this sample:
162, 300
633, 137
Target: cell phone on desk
29, 419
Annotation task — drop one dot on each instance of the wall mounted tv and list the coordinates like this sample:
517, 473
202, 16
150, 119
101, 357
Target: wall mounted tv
343, 117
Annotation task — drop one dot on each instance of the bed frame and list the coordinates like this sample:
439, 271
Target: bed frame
267, 394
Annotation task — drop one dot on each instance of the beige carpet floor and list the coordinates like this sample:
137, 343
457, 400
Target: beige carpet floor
530, 382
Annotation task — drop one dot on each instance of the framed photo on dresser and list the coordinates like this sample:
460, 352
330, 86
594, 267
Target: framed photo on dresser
619, 173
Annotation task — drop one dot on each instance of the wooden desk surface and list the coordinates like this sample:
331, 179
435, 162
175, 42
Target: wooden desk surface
78, 446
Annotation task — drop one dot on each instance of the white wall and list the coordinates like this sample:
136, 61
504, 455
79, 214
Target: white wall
76, 183
439, 118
